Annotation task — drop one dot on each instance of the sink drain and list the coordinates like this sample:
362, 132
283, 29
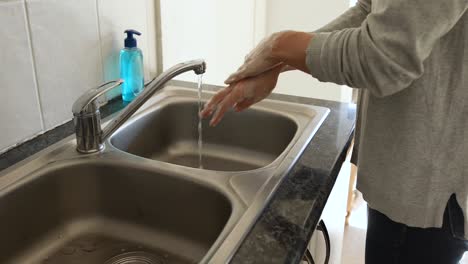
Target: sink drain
137, 257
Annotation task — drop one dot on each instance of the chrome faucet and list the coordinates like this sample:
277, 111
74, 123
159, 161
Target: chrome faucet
87, 118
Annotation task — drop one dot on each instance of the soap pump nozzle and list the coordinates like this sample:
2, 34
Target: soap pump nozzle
130, 41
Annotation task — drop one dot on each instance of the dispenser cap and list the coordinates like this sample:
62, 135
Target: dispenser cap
130, 41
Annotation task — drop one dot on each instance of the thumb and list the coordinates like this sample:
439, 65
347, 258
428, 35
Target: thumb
235, 77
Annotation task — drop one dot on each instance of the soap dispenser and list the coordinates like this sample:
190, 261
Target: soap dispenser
131, 67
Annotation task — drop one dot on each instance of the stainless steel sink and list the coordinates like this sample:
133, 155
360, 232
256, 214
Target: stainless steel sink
90, 211
244, 141
143, 198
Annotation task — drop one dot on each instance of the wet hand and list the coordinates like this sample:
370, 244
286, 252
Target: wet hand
241, 95
259, 60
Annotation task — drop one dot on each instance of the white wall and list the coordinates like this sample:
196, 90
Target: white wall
19, 106
223, 32
53, 50
219, 31
305, 15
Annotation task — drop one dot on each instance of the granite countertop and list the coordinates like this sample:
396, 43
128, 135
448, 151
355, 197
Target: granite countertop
283, 231
284, 228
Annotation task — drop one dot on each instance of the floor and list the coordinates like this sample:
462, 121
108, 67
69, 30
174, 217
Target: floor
355, 234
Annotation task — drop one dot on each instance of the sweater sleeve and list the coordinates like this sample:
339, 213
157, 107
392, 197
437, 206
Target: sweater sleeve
387, 52
352, 18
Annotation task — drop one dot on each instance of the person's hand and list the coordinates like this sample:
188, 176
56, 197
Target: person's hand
241, 95
259, 60
285, 47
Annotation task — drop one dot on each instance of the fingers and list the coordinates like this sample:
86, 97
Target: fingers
240, 74
232, 78
227, 103
252, 69
211, 105
219, 114
240, 96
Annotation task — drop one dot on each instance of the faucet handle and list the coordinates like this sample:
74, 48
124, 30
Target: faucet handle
87, 118
86, 103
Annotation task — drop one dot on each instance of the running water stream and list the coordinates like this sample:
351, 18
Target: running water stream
200, 126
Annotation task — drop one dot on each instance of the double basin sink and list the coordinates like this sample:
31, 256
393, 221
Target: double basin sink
144, 199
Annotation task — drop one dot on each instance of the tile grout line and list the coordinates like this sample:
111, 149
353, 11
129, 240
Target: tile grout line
158, 37
146, 57
34, 65
98, 21
255, 26
151, 38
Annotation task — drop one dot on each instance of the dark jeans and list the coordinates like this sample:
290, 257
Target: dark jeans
390, 242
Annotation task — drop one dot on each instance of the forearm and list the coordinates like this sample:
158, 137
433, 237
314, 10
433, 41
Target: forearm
290, 48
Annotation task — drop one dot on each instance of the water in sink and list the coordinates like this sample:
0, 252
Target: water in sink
200, 126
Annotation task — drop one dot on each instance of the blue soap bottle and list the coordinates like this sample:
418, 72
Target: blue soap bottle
131, 67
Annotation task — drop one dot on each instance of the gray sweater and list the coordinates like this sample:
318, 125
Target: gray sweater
411, 58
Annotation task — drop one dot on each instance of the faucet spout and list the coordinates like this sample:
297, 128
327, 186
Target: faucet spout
89, 135
198, 66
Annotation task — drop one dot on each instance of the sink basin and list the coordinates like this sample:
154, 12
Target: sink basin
90, 212
243, 141
143, 198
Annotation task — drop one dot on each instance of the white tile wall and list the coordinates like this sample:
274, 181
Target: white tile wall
114, 18
67, 53
20, 116
51, 52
